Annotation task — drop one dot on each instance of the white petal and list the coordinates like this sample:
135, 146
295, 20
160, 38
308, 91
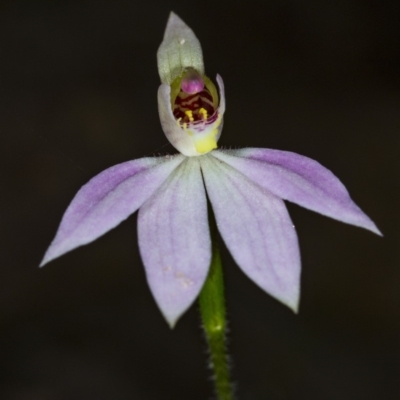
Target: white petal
179, 50
107, 199
174, 240
257, 230
298, 179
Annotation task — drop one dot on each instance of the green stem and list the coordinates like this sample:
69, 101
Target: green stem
212, 310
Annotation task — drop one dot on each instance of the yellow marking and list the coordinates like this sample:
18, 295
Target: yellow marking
203, 113
178, 122
189, 114
206, 144
185, 125
208, 141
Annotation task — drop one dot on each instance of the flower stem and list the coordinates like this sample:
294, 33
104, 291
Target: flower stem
213, 315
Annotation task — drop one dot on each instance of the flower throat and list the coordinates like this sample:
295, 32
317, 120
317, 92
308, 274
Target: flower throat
194, 99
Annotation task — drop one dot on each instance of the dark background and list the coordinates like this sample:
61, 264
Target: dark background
78, 83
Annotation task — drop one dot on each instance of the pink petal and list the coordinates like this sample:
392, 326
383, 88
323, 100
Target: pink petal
300, 180
108, 199
257, 230
174, 240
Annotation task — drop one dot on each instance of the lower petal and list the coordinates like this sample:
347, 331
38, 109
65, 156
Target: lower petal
257, 230
174, 240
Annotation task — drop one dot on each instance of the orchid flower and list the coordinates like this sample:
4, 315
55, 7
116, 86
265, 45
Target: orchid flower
246, 189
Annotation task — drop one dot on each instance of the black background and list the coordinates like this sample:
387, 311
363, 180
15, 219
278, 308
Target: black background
78, 84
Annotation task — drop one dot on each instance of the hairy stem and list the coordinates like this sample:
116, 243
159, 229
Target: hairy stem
213, 315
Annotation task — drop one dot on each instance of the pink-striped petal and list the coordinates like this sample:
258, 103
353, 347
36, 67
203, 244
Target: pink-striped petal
174, 240
257, 230
300, 180
108, 199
